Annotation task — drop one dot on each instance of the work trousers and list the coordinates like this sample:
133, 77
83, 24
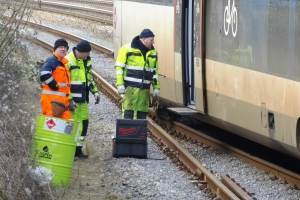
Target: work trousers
81, 114
135, 104
45, 102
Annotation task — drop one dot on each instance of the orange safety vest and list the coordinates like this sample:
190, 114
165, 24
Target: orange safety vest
61, 75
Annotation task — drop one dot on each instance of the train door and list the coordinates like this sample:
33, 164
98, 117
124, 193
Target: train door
188, 59
198, 58
192, 52
187, 46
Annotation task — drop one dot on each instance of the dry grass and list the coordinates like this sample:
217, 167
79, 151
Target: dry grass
19, 92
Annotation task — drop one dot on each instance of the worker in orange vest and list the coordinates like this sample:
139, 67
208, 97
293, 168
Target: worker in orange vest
55, 78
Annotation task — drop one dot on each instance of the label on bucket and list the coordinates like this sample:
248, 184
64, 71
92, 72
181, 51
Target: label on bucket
58, 125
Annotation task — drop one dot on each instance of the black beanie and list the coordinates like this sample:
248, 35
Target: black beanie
61, 42
146, 33
83, 46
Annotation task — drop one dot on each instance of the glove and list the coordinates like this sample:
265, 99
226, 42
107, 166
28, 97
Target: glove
53, 85
121, 89
97, 97
156, 93
72, 105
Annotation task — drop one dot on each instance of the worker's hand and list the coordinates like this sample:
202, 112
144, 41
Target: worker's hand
53, 85
156, 93
97, 97
72, 105
121, 89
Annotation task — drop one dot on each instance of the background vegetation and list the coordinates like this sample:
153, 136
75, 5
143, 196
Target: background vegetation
19, 102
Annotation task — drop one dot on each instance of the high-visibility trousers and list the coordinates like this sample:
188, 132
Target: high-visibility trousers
81, 114
135, 104
45, 102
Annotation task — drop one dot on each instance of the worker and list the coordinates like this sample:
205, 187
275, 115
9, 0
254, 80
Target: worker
82, 82
55, 78
136, 70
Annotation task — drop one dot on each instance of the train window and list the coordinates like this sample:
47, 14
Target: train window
160, 2
170, 2
278, 37
297, 40
214, 31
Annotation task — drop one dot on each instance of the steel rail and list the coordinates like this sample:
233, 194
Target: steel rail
236, 188
109, 3
95, 46
78, 8
192, 163
98, 19
286, 175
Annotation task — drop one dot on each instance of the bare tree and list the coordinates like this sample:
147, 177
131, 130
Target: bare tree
16, 107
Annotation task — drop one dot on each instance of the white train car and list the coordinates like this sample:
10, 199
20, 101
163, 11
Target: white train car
235, 63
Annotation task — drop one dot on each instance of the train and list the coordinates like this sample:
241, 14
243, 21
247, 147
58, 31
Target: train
234, 64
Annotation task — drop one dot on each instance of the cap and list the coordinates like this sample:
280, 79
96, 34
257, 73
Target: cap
146, 33
83, 46
61, 42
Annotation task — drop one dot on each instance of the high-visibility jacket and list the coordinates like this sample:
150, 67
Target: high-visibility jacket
55, 70
82, 80
133, 69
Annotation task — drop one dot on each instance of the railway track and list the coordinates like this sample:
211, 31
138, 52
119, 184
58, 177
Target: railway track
99, 15
106, 11
224, 188
97, 3
94, 14
75, 38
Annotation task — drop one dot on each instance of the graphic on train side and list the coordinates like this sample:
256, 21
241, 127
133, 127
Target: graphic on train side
230, 18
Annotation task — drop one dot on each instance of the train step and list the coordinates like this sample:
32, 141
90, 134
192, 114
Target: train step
183, 111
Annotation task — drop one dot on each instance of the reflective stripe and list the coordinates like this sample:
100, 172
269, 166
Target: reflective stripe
48, 80
78, 144
140, 68
76, 82
135, 67
81, 137
149, 69
155, 76
63, 84
138, 80
69, 59
45, 72
54, 92
76, 95
119, 72
119, 64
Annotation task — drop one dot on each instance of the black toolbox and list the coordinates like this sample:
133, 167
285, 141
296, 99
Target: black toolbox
131, 138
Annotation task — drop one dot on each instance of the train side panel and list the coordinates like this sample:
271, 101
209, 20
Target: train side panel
251, 72
132, 18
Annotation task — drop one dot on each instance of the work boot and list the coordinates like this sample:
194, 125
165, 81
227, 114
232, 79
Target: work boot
82, 155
